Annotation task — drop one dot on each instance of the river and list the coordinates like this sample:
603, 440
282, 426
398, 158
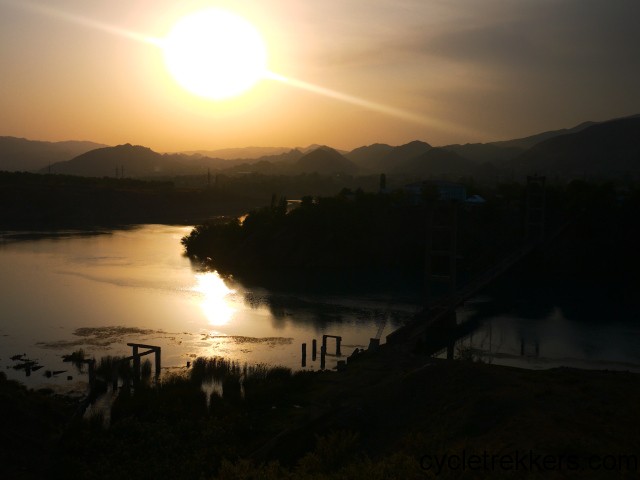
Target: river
98, 291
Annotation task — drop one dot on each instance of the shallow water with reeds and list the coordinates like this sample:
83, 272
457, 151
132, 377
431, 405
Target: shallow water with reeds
98, 291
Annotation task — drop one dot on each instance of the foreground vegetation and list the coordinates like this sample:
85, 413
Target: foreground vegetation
389, 416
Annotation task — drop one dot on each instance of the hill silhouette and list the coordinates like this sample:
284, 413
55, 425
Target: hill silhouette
409, 150
531, 140
370, 157
436, 161
324, 160
506, 150
378, 158
277, 164
485, 152
404, 153
315, 146
555, 152
603, 149
136, 160
20, 154
239, 153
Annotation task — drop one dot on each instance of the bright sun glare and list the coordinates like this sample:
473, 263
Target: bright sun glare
214, 298
215, 54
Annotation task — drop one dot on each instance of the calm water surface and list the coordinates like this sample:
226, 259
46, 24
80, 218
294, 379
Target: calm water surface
98, 292
571, 328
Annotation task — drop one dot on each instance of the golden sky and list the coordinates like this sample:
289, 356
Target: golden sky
372, 71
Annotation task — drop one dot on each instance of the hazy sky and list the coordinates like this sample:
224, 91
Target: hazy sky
442, 71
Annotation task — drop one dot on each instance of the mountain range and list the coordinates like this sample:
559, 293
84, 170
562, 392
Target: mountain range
610, 148
591, 148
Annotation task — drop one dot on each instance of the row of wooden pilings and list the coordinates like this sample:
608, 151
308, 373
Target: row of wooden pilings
323, 351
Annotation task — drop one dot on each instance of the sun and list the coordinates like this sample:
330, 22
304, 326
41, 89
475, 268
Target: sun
214, 301
215, 54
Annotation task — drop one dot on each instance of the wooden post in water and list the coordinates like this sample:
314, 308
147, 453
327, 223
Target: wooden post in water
338, 342
323, 352
304, 354
313, 349
136, 359
136, 366
158, 364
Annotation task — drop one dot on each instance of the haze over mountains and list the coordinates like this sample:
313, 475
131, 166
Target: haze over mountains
18, 154
602, 148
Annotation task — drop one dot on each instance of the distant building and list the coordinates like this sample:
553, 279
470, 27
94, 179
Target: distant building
444, 190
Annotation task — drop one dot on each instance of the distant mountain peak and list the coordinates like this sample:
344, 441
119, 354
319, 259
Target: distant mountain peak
129, 146
325, 160
414, 143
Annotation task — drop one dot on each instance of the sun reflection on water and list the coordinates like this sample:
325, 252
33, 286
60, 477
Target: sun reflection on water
215, 302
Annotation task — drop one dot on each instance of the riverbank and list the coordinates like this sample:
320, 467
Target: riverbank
391, 415
404, 406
